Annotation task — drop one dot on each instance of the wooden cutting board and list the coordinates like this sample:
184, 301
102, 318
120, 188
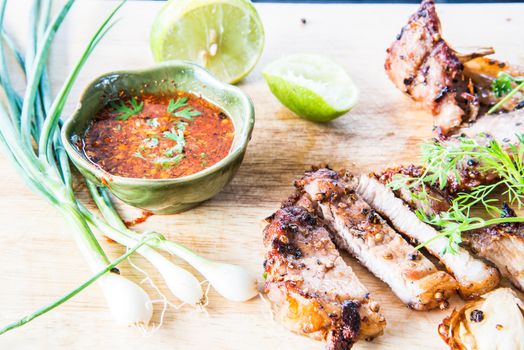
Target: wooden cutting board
39, 261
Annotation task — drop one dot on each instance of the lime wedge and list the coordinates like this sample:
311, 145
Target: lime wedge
224, 36
312, 86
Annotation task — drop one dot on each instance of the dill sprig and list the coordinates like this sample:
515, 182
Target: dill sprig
443, 162
125, 111
454, 222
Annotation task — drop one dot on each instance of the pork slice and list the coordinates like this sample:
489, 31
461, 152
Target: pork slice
505, 128
421, 64
474, 276
365, 235
312, 290
412, 46
503, 245
434, 200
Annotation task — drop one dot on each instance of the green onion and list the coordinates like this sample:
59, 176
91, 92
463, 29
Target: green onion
77, 290
49, 173
182, 283
35, 119
231, 281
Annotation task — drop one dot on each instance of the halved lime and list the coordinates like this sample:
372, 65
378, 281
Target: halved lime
312, 86
224, 36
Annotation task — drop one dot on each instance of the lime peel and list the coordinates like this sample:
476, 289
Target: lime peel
312, 86
224, 36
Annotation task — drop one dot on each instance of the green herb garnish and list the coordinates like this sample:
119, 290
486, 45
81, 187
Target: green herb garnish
151, 141
181, 126
153, 122
177, 136
125, 112
203, 155
173, 106
139, 155
168, 162
503, 86
441, 161
187, 113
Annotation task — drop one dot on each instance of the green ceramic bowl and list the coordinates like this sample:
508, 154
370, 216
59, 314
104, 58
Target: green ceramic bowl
162, 196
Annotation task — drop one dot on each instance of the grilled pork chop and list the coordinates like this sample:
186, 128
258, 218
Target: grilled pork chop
454, 87
506, 129
474, 276
437, 200
312, 290
364, 234
501, 127
503, 245
421, 64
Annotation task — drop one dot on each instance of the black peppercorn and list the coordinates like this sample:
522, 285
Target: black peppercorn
476, 316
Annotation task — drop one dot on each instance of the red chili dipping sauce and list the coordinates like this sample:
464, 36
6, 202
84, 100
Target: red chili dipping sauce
158, 136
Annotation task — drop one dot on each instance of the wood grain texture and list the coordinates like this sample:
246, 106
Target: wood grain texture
39, 261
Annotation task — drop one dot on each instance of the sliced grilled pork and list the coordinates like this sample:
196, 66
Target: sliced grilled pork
437, 201
505, 128
421, 64
501, 127
454, 87
503, 245
365, 235
473, 275
312, 290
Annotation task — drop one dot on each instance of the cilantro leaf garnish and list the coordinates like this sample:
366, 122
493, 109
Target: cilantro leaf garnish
181, 125
174, 136
502, 85
168, 162
139, 155
151, 141
125, 112
153, 122
178, 137
187, 113
173, 106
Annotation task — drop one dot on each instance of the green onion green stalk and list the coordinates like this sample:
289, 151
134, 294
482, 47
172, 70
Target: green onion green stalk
29, 137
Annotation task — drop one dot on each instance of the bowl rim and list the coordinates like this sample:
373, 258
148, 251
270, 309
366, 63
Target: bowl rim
201, 74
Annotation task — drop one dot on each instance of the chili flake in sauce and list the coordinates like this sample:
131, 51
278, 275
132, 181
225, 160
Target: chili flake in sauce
158, 136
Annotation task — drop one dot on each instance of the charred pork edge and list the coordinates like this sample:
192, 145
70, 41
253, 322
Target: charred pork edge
349, 329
